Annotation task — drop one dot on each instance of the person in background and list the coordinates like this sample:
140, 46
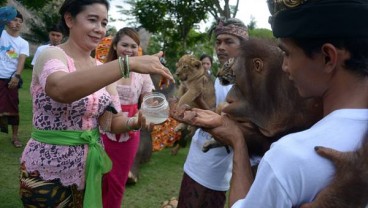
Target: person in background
63, 162
207, 174
207, 62
324, 61
13, 54
55, 38
7, 13
122, 148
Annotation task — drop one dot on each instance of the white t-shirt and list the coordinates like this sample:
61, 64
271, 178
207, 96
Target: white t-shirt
10, 49
292, 173
38, 51
221, 91
211, 169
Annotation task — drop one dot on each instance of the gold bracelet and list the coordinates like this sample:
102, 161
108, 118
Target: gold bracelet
122, 67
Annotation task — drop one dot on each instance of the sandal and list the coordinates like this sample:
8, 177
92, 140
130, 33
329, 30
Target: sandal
132, 179
172, 203
16, 143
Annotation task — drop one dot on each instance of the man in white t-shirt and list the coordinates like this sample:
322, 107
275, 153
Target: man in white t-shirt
55, 38
13, 52
207, 174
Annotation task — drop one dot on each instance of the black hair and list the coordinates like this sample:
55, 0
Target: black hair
357, 47
19, 15
56, 28
203, 56
74, 7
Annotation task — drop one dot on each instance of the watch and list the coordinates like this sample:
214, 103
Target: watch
17, 76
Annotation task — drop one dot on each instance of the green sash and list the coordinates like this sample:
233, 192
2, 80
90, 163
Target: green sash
97, 163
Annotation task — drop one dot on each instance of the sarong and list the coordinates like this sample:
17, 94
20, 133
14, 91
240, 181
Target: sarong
193, 194
9, 104
47, 193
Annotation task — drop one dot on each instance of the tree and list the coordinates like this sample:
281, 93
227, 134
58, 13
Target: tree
171, 20
38, 32
198, 43
34, 5
173, 23
261, 33
252, 24
227, 11
40, 21
3, 2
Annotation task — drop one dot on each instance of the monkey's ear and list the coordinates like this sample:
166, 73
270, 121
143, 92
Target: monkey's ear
258, 64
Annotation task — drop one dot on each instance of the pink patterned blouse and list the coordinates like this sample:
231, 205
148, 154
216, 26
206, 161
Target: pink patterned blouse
66, 163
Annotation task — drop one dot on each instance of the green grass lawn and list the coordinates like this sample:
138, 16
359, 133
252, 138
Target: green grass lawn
160, 178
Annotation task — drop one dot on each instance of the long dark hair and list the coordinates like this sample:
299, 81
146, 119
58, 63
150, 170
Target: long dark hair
74, 7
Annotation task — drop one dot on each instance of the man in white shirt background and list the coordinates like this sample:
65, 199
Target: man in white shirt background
55, 38
13, 53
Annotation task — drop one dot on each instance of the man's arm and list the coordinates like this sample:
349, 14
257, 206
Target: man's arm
21, 61
17, 75
229, 132
242, 177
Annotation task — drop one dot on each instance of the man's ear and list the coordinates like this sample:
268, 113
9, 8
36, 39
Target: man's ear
330, 55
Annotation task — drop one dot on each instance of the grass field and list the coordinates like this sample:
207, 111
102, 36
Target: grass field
159, 178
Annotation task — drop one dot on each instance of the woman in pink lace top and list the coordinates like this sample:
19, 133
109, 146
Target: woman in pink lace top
122, 148
62, 164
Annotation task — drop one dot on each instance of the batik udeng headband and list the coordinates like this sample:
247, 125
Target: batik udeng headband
240, 32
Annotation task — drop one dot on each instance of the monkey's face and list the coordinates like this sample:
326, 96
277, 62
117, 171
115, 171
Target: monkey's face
236, 97
246, 88
236, 104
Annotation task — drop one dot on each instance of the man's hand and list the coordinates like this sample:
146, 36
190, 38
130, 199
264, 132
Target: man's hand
13, 83
221, 127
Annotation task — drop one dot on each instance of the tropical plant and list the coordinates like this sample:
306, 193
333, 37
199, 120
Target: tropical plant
36, 5
261, 33
173, 25
3, 2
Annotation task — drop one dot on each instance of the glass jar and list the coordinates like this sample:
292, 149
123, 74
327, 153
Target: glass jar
155, 108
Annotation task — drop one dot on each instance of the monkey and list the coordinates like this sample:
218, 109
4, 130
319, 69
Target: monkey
263, 98
268, 106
